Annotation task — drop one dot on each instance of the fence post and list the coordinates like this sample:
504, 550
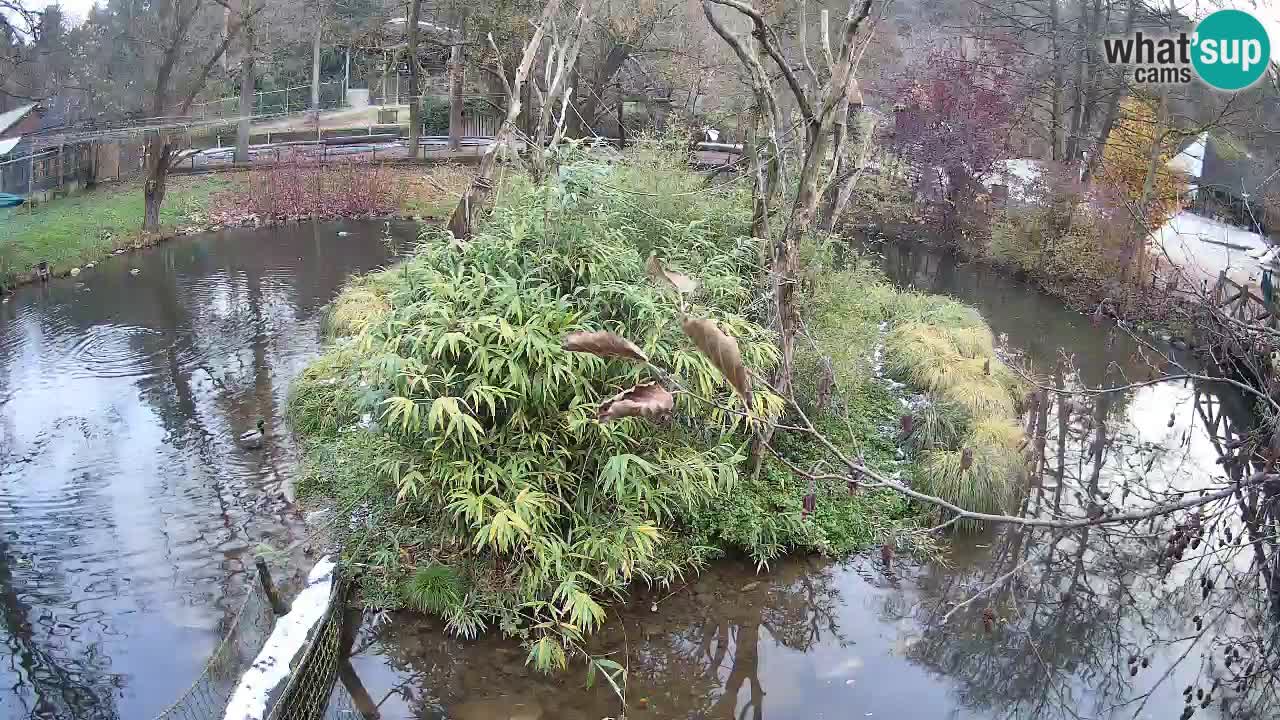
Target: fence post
31, 178
264, 576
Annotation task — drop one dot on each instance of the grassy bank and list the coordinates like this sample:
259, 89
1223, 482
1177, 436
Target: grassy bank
459, 442
965, 440
71, 231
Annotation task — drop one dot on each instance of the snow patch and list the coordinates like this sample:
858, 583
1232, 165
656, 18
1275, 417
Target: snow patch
1191, 159
271, 667
1204, 247
1018, 175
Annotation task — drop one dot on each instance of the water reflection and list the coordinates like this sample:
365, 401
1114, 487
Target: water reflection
801, 641
1014, 624
127, 512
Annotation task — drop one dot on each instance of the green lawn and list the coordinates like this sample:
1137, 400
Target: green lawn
71, 231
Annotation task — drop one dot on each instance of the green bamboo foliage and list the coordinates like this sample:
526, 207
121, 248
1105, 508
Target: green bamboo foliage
462, 365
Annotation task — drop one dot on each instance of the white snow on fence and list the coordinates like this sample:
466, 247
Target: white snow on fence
272, 666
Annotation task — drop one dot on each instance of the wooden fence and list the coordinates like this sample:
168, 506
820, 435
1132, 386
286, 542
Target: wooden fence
1241, 302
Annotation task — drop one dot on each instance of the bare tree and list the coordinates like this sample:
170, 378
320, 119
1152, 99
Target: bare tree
562, 58
316, 39
457, 70
479, 196
247, 84
415, 82
818, 110
173, 36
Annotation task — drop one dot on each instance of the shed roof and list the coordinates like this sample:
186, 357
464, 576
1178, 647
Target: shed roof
11, 118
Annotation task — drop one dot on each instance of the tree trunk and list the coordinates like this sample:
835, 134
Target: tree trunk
1055, 91
589, 102
786, 256
839, 165
153, 189
415, 105
1078, 88
315, 59
622, 128
752, 147
246, 99
1113, 108
1137, 243
575, 126
456, 78
845, 186
386, 76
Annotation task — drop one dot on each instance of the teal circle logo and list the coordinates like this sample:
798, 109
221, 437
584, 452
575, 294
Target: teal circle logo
1232, 50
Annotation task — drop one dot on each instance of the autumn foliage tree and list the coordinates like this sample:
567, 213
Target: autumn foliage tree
1126, 161
954, 116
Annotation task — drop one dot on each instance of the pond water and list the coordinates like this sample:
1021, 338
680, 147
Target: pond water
128, 515
816, 639
127, 510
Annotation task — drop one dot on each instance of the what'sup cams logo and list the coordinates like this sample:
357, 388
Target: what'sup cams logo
1229, 51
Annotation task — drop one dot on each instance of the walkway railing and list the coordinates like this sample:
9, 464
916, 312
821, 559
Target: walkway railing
274, 102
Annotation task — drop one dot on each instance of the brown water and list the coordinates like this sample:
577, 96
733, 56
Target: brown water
127, 510
128, 514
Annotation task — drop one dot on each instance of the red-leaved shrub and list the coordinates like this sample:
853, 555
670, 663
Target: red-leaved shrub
297, 190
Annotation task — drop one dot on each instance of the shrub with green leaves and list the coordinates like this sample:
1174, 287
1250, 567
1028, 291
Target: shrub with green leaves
532, 511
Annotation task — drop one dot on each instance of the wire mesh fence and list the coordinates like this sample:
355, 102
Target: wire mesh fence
69, 165
242, 640
274, 102
310, 693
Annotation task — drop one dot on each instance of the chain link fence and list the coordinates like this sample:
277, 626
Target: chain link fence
242, 640
44, 172
311, 693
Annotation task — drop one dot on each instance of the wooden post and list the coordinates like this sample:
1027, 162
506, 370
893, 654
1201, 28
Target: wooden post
622, 130
31, 179
269, 587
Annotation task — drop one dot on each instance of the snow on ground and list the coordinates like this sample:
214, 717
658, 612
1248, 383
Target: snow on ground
271, 667
1019, 175
1203, 248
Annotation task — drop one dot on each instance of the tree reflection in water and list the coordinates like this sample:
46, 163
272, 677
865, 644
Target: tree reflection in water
1052, 636
1101, 622
699, 656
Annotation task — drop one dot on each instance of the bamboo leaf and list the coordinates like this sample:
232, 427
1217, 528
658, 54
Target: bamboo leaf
648, 399
604, 344
723, 353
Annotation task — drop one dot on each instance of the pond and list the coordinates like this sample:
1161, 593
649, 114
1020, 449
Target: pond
128, 512
129, 515
816, 639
